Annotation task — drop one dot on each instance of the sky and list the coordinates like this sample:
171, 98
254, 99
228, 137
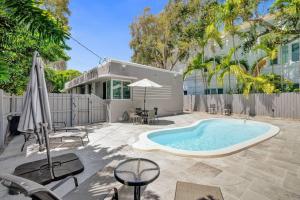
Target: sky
103, 26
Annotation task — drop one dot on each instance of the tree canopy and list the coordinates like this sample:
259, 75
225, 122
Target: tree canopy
186, 29
27, 26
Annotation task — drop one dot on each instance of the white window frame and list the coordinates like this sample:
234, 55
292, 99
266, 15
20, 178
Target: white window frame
111, 89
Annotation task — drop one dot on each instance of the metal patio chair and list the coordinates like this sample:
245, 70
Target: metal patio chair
227, 109
212, 109
134, 118
151, 116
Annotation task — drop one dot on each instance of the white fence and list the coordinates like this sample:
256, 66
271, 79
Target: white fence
73, 109
283, 105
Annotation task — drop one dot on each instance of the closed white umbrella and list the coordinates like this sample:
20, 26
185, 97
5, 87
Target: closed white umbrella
36, 117
145, 83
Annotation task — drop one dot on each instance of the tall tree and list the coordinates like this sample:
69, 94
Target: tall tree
26, 27
155, 38
56, 79
59, 9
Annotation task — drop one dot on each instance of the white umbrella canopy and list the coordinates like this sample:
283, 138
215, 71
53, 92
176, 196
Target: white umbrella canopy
145, 83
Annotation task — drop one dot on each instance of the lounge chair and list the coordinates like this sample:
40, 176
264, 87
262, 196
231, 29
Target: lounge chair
191, 191
35, 191
80, 134
212, 109
62, 126
227, 109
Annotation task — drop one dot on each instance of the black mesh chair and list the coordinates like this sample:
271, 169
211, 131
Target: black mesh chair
35, 191
138, 111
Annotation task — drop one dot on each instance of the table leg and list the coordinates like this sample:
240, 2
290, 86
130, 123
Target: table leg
137, 193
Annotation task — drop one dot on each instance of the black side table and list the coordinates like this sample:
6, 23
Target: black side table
137, 172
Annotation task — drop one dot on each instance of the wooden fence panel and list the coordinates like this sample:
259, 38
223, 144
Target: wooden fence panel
73, 109
283, 105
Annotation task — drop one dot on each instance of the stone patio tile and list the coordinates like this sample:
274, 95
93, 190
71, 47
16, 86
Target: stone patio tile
283, 164
232, 184
228, 196
250, 155
252, 174
250, 195
292, 183
203, 170
272, 192
268, 169
295, 158
236, 168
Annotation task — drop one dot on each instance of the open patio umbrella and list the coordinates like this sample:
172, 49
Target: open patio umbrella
36, 119
145, 83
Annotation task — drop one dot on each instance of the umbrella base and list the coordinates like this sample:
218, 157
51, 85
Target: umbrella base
39, 172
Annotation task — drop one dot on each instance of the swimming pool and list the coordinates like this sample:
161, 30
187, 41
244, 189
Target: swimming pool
208, 138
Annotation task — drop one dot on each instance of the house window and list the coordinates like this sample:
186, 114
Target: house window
126, 90
284, 54
220, 90
295, 52
214, 91
117, 89
207, 91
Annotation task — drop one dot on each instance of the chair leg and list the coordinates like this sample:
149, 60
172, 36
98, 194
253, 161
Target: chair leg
82, 142
25, 140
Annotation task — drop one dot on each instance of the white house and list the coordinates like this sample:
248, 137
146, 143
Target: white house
287, 64
110, 82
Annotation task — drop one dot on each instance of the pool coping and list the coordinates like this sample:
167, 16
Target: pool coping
144, 143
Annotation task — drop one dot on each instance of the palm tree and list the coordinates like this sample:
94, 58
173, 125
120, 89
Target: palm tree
230, 13
214, 39
271, 53
225, 67
198, 64
246, 81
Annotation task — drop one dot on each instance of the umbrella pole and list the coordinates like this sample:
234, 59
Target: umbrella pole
44, 125
48, 149
145, 100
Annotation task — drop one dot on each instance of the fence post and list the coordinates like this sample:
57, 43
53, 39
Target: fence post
72, 109
88, 100
2, 134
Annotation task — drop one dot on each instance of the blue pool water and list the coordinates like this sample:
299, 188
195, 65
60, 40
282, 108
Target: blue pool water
209, 135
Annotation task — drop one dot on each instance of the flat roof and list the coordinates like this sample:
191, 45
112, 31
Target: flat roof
95, 73
142, 66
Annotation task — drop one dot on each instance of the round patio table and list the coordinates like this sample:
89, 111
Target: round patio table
137, 172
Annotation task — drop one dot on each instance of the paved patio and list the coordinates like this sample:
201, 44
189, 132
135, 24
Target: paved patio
267, 171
